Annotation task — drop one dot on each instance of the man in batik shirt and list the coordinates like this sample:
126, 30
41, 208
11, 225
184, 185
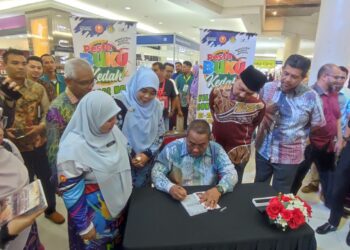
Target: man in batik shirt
194, 160
79, 78
292, 109
237, 110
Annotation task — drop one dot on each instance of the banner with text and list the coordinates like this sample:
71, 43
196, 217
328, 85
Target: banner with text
223, 56
109, 46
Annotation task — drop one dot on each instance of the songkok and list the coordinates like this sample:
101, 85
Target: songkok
253, 78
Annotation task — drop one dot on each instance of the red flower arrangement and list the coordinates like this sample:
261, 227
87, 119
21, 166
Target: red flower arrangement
288, 211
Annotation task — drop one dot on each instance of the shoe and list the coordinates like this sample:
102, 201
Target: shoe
326, 228
311, 188
55, 217
348, 239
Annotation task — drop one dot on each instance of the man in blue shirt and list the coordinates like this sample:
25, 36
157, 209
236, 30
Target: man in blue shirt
194, 160
178, 68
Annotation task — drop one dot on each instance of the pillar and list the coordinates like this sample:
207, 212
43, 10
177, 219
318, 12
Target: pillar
292, 44
332, 37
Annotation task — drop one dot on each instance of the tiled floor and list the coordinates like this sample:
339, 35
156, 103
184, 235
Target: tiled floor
54, 237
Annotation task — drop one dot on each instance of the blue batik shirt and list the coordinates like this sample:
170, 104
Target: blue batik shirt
174, 165
344, 104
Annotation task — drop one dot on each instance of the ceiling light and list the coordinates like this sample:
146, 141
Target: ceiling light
160, 23
274, 13
105, 13
4, 5
212, 20
58, 15
127, 8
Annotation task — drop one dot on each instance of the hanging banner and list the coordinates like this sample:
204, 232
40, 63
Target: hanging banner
223, 56
109, 46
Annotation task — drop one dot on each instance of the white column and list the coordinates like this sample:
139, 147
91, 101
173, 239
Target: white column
332, 44
291, 46
279, 54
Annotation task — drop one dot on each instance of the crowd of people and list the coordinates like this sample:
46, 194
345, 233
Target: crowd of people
92, 149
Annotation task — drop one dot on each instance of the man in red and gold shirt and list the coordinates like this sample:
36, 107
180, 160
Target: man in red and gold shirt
326, 142
237, 110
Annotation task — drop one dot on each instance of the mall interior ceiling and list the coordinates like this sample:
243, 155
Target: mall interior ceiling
272, 20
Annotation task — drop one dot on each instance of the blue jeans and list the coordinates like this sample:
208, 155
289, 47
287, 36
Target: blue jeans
283, 174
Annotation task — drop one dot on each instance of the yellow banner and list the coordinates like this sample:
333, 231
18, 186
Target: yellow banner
40, 36
265, 64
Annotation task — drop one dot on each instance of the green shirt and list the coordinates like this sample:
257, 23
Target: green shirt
184, 85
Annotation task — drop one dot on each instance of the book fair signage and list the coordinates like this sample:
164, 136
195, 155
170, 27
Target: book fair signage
223, 56
109, 46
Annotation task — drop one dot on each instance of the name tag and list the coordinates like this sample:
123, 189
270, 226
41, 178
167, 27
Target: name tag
164, 101
185, 88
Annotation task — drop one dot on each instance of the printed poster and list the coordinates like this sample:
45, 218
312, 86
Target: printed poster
223, 56
109, 46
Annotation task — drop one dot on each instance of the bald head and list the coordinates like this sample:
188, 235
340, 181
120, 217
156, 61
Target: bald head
328, 75
79, 76
75, 64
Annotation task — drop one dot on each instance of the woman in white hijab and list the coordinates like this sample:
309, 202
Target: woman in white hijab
19, 233
94, 173
141, 121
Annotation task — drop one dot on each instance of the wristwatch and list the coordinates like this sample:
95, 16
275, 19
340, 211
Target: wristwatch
220, 189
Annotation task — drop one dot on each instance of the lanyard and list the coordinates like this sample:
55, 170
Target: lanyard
161, 90
187, 78
57, 88
57, 85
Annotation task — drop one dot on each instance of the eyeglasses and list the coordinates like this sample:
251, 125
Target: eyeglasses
337, 77
3, 122
85, 82
194, 145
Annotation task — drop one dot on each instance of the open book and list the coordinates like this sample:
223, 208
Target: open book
193, 206
29, 199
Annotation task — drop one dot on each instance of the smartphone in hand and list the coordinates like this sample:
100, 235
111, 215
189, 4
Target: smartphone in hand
11, 94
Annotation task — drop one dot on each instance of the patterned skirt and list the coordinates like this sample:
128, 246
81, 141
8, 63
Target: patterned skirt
33, 242
108, 230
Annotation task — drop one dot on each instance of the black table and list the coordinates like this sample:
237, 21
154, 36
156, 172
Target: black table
156, 221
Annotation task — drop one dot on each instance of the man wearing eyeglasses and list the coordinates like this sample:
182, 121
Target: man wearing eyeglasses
343, 97
79, 78
326, 143
194, 160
